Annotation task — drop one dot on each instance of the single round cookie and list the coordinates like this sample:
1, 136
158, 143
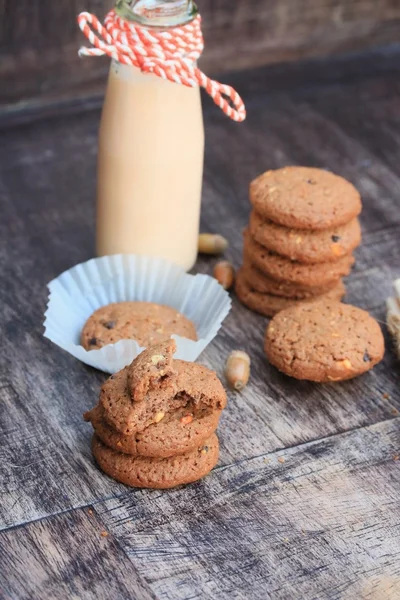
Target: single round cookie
260, 282
283, 269
268, 305
157, 473
305, 198
324, 341
145, 322
303, 245
189, 380
174, 433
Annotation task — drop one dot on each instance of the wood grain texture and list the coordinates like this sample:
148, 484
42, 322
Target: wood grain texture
39, 41
320, 521
317, 520
68, 556
47, 187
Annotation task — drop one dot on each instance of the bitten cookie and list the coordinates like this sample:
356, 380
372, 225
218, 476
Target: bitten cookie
145, 322
158, 473
151, 369
173, 433
305, 198
283, 269
303, 245
260, 282
268, 304
171, 393
324, 341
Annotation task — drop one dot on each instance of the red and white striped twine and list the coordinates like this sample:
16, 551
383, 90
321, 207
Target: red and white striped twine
168, 54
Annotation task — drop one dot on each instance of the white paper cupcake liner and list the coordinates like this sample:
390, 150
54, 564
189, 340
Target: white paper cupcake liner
78, 292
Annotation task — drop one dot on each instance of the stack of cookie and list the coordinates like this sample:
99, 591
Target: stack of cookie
299, 243
155, 423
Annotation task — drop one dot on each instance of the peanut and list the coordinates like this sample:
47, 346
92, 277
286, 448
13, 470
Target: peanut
345, 363
212, 243
224, 273
157, 358
237, 369
159, 417
186, 419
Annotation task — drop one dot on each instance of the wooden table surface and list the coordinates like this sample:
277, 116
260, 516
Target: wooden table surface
304, 503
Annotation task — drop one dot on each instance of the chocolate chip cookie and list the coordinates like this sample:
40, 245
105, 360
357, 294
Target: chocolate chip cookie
157, 473
324, 341
268, 304
172, 433
145, 322
283, 269
304, 245
171, 393
260, 282
304, 198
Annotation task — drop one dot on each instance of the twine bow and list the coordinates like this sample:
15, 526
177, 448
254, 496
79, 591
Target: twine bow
170, 54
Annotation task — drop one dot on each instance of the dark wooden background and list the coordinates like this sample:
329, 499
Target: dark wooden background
39, 39
304, 504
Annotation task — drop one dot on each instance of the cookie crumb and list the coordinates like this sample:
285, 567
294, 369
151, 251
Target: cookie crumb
266, 460
394, 411
281, 459
104, 534
386, 396
90, 511
396, 457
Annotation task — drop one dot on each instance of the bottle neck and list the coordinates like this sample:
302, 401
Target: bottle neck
157, 13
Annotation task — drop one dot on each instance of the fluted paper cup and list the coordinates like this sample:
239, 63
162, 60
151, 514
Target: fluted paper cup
81, 290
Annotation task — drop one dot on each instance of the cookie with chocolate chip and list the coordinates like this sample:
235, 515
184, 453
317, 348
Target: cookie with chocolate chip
305, 198
269, 304
145, 322
166, 394
262, 283
324, 341
304, 245
157, 473
171, 433
283, 269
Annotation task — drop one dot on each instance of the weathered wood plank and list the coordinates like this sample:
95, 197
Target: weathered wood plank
67, 556
320, 521
47, 183
39, 42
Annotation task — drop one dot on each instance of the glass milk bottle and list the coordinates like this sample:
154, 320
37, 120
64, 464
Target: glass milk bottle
151, 149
